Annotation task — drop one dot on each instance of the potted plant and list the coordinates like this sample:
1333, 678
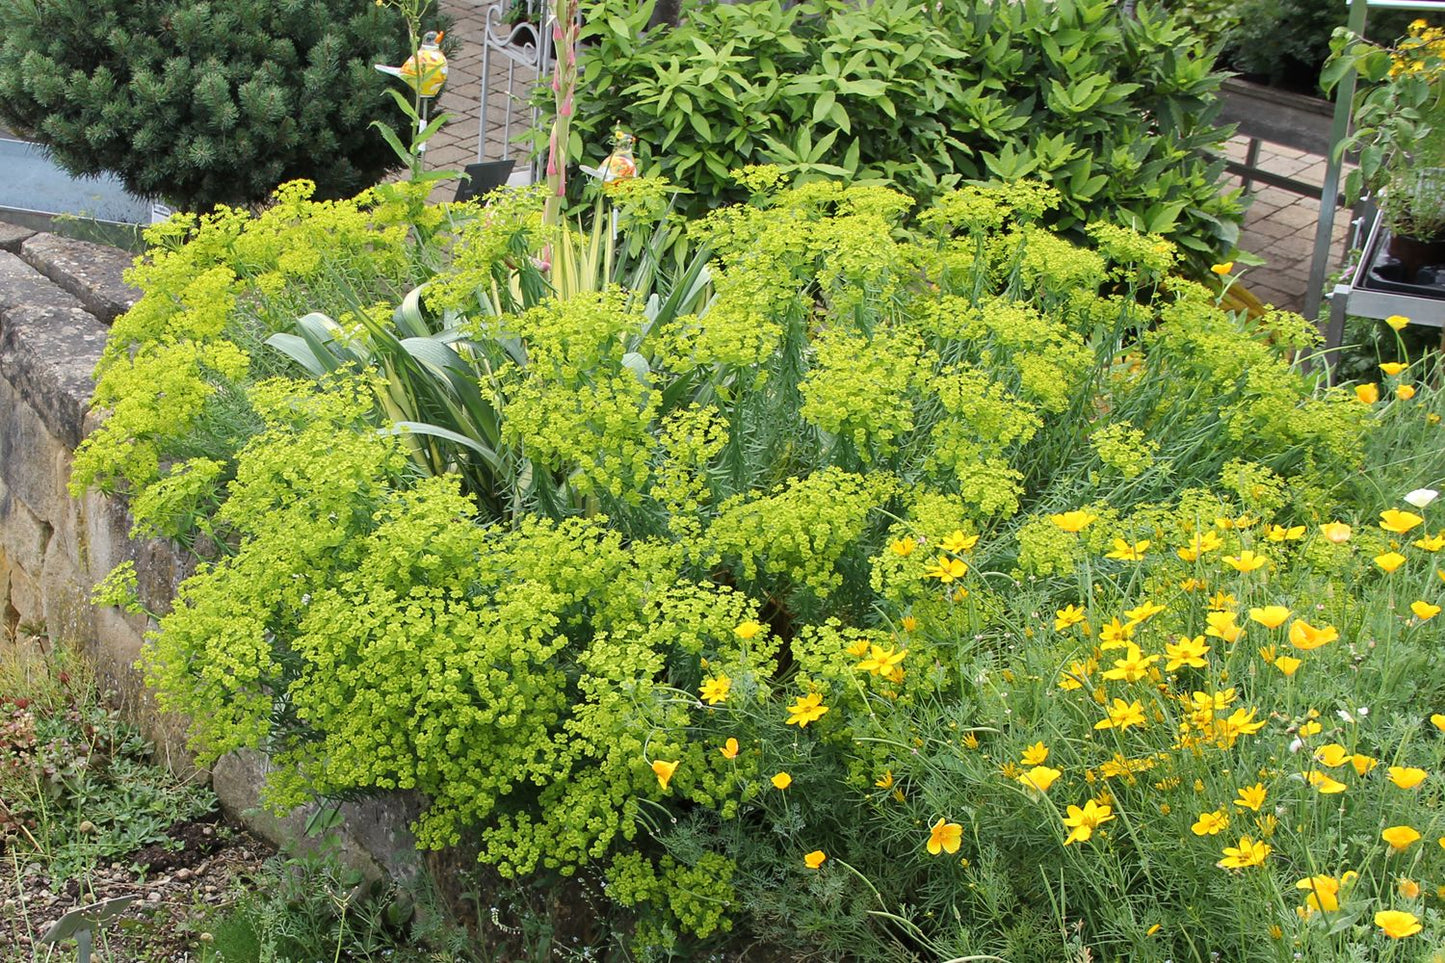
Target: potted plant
1399, 136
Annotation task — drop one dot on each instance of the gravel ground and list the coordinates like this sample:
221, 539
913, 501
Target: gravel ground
176, 887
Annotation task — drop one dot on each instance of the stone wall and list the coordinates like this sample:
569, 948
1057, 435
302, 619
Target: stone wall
57, 299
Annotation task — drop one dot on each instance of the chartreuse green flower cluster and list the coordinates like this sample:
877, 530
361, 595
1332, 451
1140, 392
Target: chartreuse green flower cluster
748, 588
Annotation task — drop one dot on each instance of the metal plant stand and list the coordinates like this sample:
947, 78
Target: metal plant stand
1363, 297
1348, 295
527, 51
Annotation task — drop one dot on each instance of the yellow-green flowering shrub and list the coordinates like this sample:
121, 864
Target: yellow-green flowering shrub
752, 611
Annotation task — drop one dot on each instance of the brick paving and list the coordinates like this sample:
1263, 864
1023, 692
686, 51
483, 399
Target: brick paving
1279, 225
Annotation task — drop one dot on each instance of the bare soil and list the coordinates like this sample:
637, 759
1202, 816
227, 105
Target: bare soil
177, 886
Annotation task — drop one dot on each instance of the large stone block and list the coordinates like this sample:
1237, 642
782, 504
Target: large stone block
375, 834
90, 272
23, 536
34, 464
12, 236
49, 346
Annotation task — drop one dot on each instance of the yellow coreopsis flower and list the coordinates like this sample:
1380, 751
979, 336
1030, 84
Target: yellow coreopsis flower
885, 781
1251, 797
1068, 617
1133, 667
1246, 561
1304, 636
1424, 611
1210, 824
1127, 552
1081, 822
1199, 544
1143, 612
1036, 754
1390, 561
1397, 321
1337, 532
1221, 600
1398, 522
1397, 924
729, 749
1221, 626
881, 660
1270, 616
781, 780
1122, 715
908, 622
1248, 853
944, 837
715, 689
806, 709
947, 569
1074, 521
1039, 777
814, 859
1400, 838
747, 630
1115, 635
958, 542
1407, 777
903, 547
1430, 543
1279, 533
1186, 651
664, 770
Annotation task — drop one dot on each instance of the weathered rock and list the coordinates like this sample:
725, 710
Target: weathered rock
12, 236
92, 273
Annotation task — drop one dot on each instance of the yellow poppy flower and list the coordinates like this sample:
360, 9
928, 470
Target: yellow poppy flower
1407, 777
1390, 561
944, 837
1270, 616
1397, 924
782, 780
1398, 522
729, 749
1074, 521
814, 859
664, 770
1400, 838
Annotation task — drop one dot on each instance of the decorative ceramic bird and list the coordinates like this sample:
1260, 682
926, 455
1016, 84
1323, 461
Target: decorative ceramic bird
620, 165
426, 70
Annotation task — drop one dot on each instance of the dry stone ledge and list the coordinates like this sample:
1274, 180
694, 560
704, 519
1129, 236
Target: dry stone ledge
90, 272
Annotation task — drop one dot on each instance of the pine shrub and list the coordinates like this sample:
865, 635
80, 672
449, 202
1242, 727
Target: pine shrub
203, 103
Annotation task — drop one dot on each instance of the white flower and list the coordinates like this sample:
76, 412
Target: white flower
1421, 497
1296, 745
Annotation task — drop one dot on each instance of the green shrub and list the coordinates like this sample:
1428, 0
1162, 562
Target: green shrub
207, 103
1116, 113
746, 605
